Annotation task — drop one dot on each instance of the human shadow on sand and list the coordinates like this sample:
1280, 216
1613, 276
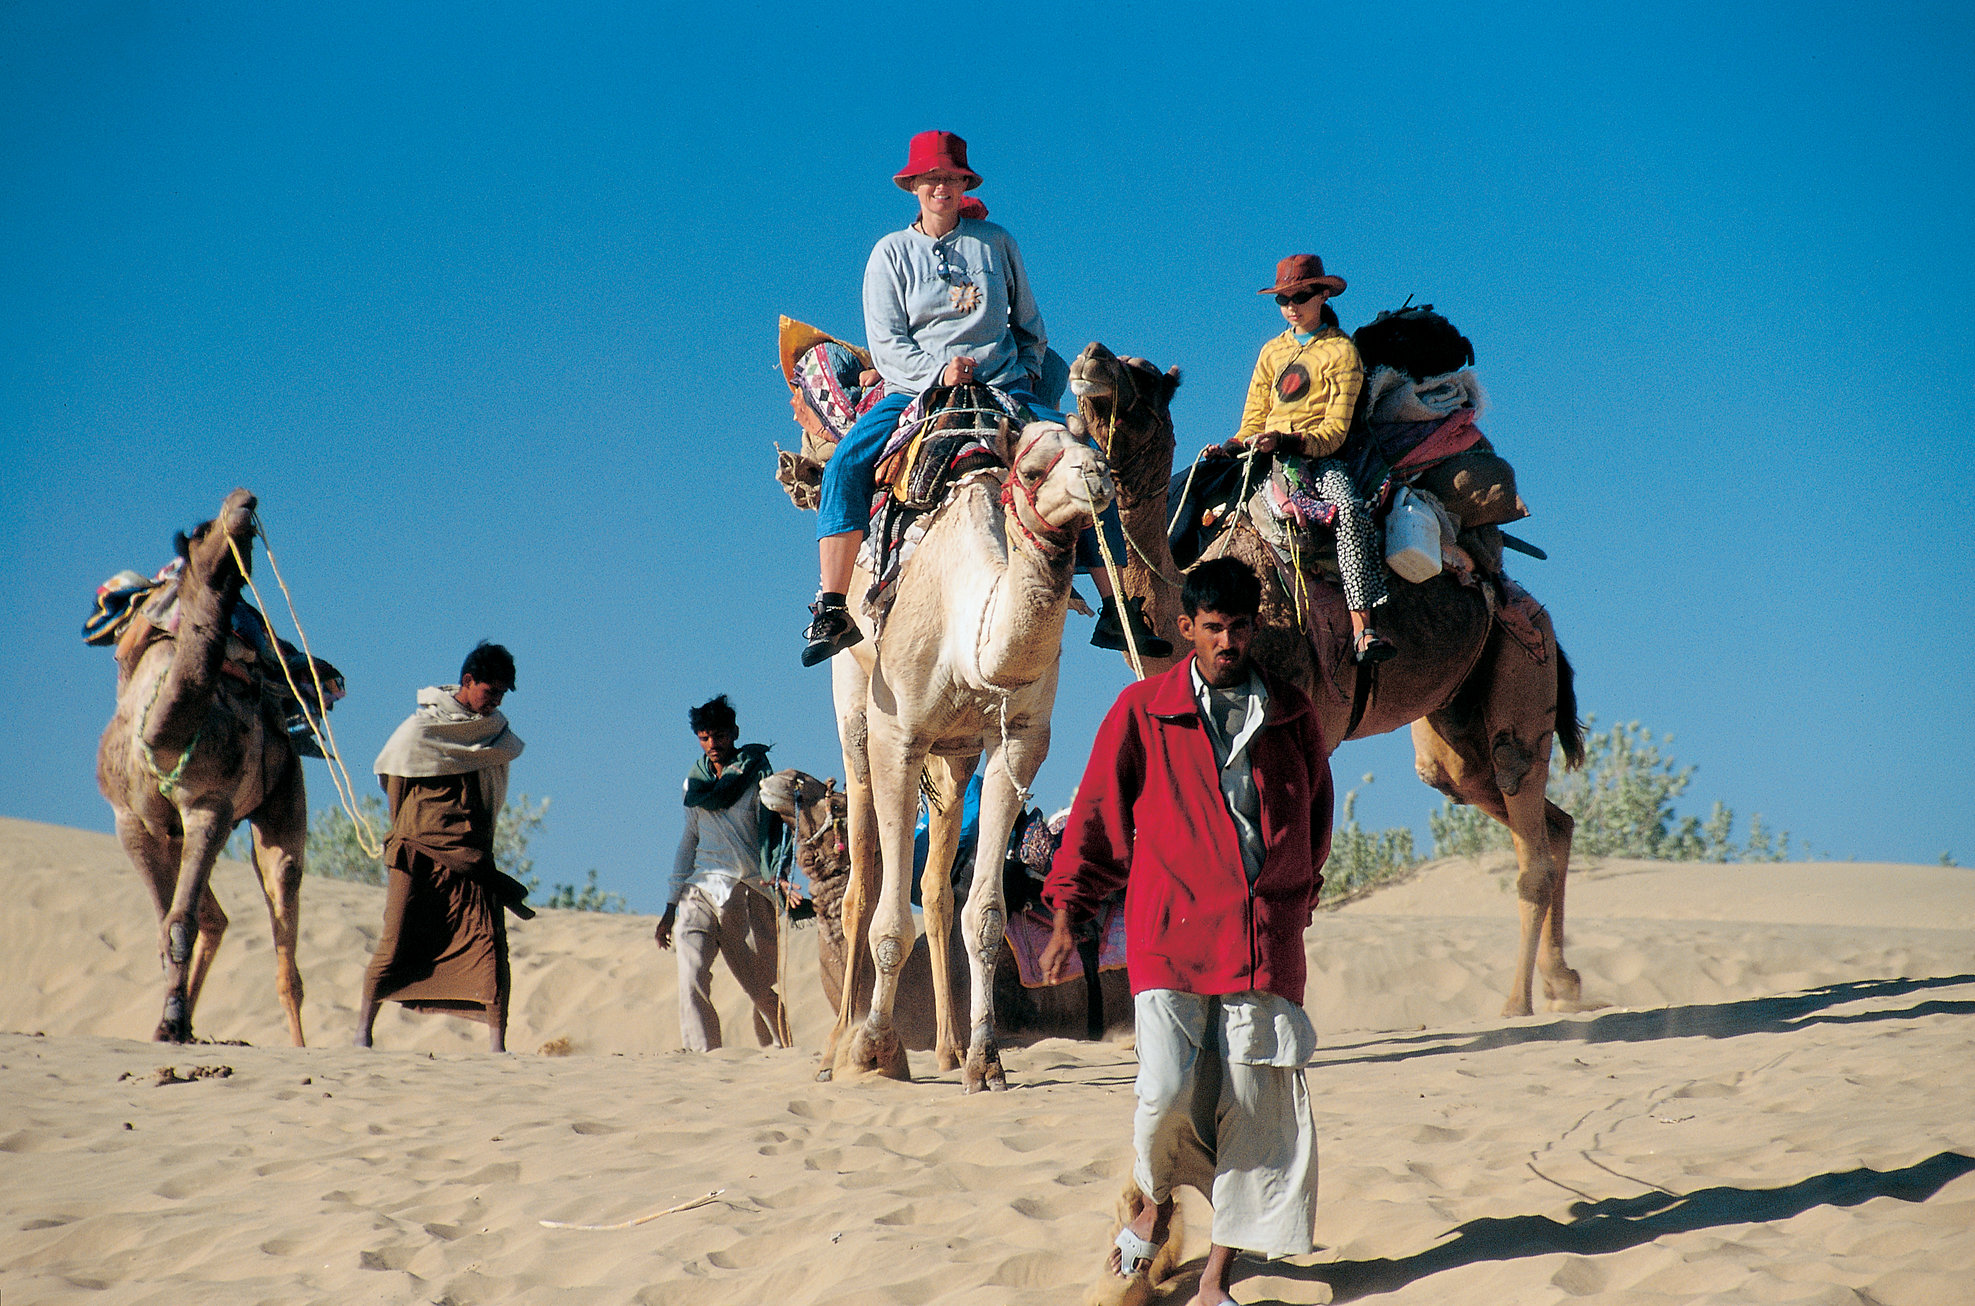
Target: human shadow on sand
1619, 1223
1769, 1015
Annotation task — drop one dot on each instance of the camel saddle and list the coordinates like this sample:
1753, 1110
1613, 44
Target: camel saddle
945, 437
132, 613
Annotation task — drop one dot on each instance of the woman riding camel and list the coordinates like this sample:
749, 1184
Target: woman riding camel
946, 302
1300, 400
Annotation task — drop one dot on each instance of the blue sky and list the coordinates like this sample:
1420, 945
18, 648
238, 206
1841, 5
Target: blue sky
481, 299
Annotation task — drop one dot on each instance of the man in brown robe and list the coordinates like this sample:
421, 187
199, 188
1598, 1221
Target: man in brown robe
444, 944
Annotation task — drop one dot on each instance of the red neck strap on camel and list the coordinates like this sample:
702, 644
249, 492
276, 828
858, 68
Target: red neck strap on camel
1051, 542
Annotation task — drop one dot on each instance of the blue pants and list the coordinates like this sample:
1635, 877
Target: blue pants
849, 478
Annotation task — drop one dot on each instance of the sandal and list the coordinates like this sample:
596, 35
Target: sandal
1135, 1254
1374, 647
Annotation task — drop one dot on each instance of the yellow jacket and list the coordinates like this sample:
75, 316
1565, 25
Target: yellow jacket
1305, 390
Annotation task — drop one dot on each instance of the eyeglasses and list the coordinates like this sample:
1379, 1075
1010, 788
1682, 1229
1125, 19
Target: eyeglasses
1300, 297
938, 179
947, 272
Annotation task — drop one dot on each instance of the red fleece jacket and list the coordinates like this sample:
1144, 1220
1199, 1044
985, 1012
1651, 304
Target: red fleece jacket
1150, 816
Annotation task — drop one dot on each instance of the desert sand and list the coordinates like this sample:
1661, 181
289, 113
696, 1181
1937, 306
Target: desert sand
1773, 1105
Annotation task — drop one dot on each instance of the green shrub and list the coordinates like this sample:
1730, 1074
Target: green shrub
1360, 859
1622, 801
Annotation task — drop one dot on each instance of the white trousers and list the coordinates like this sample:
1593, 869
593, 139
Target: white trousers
743, 931
1222, 1107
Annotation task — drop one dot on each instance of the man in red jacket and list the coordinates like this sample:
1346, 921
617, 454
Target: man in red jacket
1208, 798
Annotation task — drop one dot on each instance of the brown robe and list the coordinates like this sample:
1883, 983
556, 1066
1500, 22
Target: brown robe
444, 945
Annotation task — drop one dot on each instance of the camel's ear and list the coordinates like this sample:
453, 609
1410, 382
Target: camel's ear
1172, 380
1004, 441
1075, 421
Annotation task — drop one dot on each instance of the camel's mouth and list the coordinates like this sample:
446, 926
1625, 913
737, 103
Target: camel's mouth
1085, 388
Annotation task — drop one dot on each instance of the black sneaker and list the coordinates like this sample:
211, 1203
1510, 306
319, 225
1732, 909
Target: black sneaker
1374, 648
1110, 631
829, 633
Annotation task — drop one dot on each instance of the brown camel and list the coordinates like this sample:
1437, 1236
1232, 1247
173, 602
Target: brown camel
192, 750
964, 672
818, 812
1483, 699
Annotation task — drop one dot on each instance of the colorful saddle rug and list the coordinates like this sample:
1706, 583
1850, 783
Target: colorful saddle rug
1028, 934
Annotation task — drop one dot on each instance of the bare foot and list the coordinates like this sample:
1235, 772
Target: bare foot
1214, 1277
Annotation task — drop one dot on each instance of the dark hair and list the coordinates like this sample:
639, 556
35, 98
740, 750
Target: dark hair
489, 664
713, 715
1224, 585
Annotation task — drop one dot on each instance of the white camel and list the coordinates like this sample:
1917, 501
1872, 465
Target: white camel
963, 673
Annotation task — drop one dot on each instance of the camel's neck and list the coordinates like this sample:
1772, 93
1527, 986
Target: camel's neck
1142, 463
1022, 628
205, 618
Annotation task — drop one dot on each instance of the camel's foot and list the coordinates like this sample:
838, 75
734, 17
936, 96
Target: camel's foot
984, 1069
949, 1058
1517, 1006
879, 1052
175, 1026
1562, 985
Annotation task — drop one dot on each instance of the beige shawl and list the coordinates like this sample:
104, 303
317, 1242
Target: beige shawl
443, 738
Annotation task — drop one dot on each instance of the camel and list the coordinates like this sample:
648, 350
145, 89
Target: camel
963, 672
192, 750
817, 811
1483, 707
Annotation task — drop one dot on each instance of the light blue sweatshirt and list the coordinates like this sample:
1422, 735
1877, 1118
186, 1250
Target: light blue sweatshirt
915, 320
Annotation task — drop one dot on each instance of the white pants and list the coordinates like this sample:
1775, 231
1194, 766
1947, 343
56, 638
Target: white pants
743, 931
1222, 1106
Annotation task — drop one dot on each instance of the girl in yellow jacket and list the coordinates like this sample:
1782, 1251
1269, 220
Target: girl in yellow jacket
1300, 402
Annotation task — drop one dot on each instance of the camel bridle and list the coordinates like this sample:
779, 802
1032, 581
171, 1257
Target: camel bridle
1054, 543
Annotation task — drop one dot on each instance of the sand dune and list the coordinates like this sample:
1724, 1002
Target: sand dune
1774, 1106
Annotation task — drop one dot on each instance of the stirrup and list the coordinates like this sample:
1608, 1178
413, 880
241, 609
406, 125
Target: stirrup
829, 633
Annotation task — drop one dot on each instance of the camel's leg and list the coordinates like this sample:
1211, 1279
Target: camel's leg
950, 777
212, 928
860, 893
1454, 763
984, 923
1500, 763
281, 827
1561, 984
206, 829
895, 768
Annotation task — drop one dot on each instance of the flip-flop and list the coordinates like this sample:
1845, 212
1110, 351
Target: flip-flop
1134, 1253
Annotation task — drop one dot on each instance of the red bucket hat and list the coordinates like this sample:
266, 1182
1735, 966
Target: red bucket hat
1300, 270
931, 152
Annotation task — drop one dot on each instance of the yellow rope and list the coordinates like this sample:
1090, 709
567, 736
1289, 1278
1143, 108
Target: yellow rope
339, 774
1118, 595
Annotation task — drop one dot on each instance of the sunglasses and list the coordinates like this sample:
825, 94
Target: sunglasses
1300, 297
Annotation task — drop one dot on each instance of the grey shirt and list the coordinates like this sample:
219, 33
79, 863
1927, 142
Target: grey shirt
1233, 716
966, 294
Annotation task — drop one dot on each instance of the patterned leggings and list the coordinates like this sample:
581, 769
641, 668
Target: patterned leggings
1360, 562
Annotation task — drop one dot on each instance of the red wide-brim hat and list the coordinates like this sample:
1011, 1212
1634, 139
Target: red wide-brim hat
1300, 270
932, 152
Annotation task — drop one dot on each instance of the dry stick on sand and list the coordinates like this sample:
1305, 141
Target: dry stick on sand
606, 1228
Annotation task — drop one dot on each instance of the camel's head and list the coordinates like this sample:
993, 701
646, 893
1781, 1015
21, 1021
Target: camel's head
1127, 394
817, 812
1057, 484
208, 551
